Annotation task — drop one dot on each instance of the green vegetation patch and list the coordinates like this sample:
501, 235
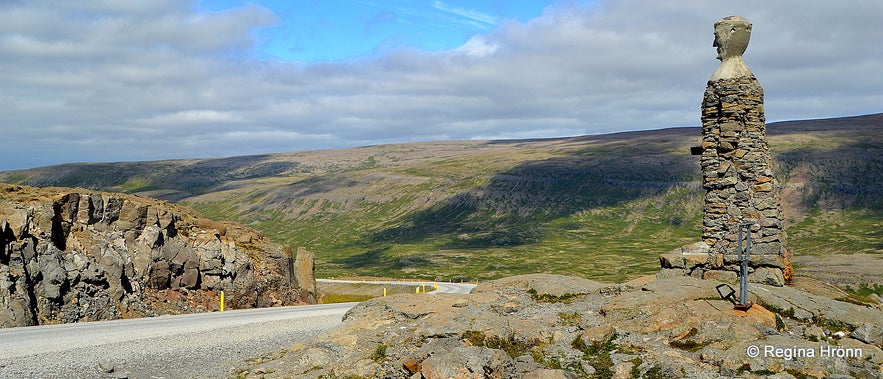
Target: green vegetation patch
570, 318
861, 294
379, 354
843, 232
598, 355
513, 346
864, 290
566, 298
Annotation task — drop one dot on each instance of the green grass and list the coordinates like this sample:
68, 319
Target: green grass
482, 245
513, 347
603, 210
844, 232
600, 207
861, 294
136, 185
864, 290
614, 242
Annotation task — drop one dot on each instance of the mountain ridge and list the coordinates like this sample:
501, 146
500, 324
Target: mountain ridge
486, 209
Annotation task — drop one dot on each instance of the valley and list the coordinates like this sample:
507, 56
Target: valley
600, 206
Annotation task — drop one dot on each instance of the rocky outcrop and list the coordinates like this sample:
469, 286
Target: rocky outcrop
69, 255
305, 271
549, 326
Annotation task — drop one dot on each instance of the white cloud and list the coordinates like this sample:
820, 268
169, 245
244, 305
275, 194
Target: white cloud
105, 80
477, 47
191, 117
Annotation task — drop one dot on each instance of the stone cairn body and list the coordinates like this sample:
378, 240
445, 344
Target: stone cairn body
737, 173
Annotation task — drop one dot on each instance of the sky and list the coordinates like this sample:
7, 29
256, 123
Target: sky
116, 80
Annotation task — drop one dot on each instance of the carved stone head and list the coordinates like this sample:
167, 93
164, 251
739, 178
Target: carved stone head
731, 35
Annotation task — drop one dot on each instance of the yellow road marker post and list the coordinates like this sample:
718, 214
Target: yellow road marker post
222, 301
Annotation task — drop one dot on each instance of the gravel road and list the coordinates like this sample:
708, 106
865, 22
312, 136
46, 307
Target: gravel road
203, 345
206, 345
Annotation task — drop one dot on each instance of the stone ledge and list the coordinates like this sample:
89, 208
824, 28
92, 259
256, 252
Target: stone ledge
690, 256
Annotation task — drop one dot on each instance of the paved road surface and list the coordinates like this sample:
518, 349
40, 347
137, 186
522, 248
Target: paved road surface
442, 287
204, 345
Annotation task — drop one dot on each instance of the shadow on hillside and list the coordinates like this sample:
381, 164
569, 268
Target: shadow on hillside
516, 206
513, 207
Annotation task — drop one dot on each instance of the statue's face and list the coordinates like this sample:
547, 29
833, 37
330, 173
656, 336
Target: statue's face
731, 37
720, 36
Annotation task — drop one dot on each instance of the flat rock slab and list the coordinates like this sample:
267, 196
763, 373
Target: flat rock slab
545, 284
809, 307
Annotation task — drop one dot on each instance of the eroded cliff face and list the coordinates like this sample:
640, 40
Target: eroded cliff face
69, 255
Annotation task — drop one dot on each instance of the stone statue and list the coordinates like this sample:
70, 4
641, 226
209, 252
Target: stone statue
737, 172
736, 163
731, 36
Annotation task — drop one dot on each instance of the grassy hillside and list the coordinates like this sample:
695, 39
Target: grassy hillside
602, 206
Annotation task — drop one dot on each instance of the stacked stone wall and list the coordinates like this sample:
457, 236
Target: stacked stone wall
738, 177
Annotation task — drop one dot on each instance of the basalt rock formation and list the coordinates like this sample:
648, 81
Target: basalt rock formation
305, 271
69, 255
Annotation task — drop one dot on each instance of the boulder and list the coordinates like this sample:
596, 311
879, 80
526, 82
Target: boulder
598, 335
468, 362
869, 333
767, 275
690, 256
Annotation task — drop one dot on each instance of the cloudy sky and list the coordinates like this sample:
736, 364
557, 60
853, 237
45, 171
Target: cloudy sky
115, 80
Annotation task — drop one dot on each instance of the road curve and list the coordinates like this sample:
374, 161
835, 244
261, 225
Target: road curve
443, 287
202, 345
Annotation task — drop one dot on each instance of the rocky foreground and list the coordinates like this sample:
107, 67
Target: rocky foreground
70, 255
549, 326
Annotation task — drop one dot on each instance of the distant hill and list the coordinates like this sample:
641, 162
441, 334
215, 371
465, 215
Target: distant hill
599, 206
